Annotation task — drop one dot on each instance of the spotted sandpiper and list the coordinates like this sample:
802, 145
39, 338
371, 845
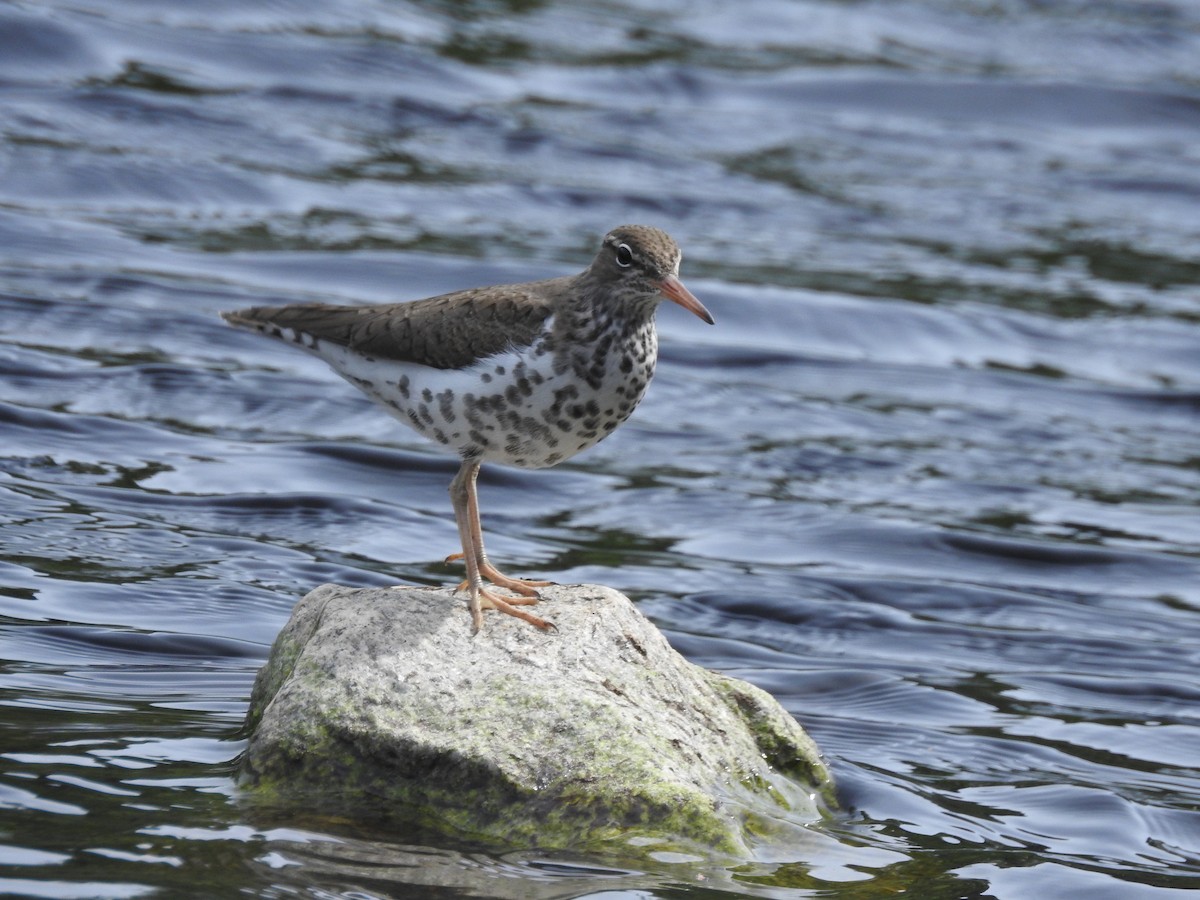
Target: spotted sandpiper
522, 374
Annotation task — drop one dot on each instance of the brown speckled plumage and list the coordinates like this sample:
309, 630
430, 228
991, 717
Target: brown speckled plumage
445, 332
525, 374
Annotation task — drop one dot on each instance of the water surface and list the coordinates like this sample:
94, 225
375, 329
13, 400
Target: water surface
932, 480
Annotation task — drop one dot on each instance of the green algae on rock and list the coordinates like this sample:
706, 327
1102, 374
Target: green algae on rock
380, 702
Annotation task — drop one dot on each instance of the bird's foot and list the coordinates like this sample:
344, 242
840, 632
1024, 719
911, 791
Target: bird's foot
524, 587
485, 599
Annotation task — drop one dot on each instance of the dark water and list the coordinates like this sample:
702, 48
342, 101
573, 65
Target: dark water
932, 480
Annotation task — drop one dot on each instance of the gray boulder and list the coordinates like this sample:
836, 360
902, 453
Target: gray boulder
380, 702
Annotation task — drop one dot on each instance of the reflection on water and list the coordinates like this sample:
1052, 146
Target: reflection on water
931, 481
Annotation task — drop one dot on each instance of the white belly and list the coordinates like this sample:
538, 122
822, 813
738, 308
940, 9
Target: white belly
518, 408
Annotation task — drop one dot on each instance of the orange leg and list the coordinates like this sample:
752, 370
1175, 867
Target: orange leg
465, 499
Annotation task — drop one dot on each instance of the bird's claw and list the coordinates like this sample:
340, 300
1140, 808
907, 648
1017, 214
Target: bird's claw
508, 605
524, 586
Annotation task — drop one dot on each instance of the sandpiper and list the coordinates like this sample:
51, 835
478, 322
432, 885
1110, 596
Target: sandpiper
522, 374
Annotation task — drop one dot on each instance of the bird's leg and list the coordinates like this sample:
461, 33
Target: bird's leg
466, 515
524, 587
486, 569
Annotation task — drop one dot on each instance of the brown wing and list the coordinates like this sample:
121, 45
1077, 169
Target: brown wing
445, 332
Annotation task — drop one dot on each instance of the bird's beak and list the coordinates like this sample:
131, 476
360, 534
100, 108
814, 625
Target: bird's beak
672, 288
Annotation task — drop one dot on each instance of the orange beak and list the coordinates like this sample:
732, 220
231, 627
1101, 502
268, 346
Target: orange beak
672, 288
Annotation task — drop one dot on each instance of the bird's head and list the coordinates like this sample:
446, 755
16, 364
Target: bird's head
639, 263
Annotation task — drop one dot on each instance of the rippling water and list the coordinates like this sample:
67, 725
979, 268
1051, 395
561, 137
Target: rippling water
932, 480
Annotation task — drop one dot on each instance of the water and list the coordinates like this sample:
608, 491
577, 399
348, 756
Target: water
932, 479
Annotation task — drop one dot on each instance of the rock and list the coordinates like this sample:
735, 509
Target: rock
381, 702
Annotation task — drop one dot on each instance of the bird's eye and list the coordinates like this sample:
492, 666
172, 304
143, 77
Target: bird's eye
624, 256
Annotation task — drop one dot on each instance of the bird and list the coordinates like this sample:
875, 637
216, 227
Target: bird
525, 375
